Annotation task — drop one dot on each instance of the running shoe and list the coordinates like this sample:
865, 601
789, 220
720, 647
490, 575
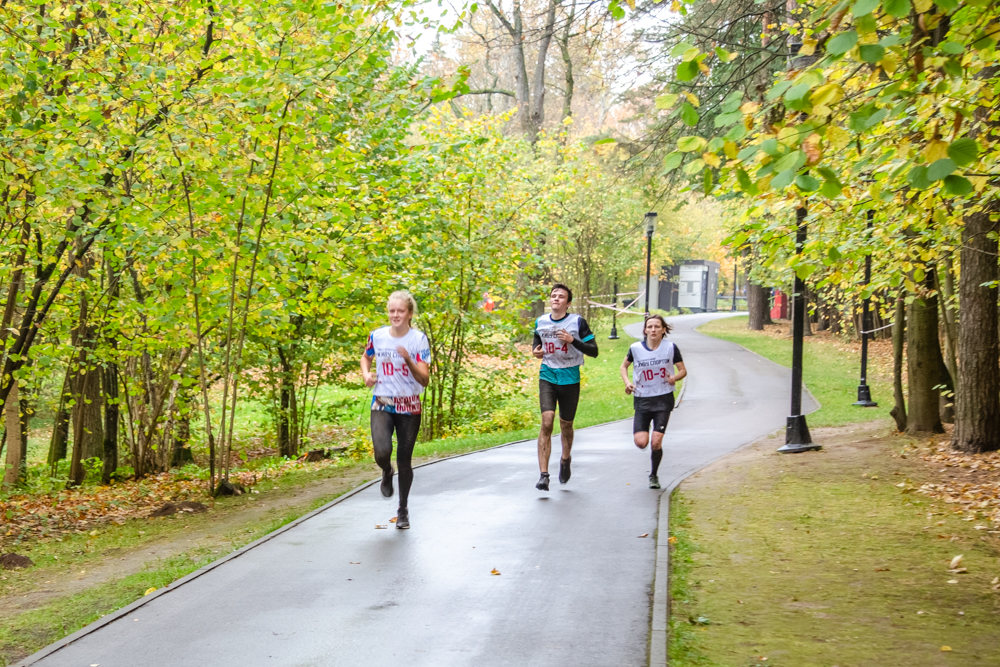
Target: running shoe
387, 483
543, 482
564, 471
402, 519
654, 482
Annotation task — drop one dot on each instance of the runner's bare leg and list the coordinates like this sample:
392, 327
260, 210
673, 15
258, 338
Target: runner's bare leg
566, 437
545, 440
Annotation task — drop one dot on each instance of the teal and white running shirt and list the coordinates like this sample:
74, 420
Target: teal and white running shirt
561, 361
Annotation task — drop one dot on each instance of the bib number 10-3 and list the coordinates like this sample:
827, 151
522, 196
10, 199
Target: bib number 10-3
650, 374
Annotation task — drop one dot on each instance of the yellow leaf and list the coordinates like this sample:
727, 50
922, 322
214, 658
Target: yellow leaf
495, 571
704, 68
149, 590
671, 539
808, 47
712, 159
945, 648
837, 137
956, 562
826, 95
693, 100
631, 4
730, 149
922, 5
749, 107
936, 150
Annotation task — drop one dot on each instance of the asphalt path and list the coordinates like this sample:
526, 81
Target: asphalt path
576, 565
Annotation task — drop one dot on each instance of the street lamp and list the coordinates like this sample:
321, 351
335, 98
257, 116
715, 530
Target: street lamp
650, 220
864, 391
797, 437
614, 314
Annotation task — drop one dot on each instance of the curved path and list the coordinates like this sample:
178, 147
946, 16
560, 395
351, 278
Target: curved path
576, 577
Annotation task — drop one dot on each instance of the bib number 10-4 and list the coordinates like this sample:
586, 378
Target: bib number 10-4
551, 348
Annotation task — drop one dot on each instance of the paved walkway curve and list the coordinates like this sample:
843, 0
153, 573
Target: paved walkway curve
575, 582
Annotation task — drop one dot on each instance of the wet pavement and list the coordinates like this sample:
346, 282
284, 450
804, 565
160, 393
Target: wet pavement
575, 574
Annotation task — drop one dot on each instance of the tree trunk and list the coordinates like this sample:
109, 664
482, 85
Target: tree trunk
12, 421
181, 450
537, 106
110, 381
757, 307
898, 411
567, 63
111, 413
60, 425
977, 418
924, 360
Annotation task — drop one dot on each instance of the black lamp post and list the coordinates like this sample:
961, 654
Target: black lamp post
797, 438
864, 392
650, 220
614, 314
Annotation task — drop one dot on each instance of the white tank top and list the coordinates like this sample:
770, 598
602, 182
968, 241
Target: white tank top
650, 369
557, 353
396, 390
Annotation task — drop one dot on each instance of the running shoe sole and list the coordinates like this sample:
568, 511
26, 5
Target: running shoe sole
386, 486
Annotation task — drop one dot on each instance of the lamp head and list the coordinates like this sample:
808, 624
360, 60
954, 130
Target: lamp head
650, 221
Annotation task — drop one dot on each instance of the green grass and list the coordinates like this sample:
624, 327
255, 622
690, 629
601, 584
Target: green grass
809, 563
831, 374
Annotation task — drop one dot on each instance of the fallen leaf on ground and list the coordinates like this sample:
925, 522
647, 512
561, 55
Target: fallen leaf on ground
353, 563
881, 569
393, 519
495, 571
644, 535
953, 581
956, 562
380, 527
149, 590
671, 539
945, 648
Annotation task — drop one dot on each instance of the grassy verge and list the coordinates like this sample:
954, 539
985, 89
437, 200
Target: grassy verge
830, 371
822, 559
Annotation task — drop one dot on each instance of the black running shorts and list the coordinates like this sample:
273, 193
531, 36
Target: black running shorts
655, 409
567, 396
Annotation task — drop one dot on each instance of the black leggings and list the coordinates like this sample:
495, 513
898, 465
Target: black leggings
406, 427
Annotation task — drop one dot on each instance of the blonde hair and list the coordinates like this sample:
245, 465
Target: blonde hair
405, 297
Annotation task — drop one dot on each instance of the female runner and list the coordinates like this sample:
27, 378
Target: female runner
652, 387
401, 355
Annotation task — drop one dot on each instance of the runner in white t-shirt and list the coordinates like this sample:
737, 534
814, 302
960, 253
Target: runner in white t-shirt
401, 356
652, 387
